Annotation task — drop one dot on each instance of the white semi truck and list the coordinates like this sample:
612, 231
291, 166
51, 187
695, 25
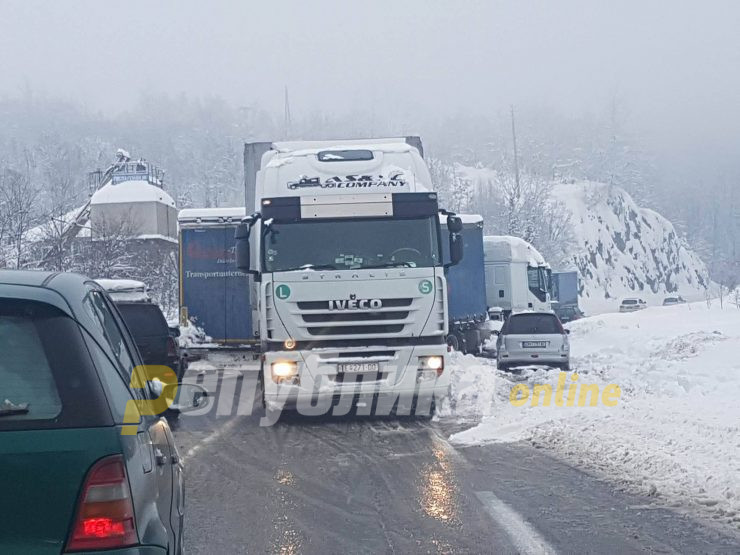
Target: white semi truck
517, 276
349, 294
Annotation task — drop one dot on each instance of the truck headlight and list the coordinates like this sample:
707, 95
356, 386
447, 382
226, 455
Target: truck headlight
433, 362
285, 372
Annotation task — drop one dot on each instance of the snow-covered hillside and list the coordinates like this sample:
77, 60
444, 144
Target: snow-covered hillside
675, 431
622, 249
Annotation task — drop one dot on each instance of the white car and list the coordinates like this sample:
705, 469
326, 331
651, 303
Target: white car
632, 304
530, 338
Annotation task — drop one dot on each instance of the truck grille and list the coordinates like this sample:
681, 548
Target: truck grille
355, 330
318, 320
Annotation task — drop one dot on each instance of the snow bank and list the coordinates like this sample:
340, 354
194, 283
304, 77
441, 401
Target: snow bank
675, 431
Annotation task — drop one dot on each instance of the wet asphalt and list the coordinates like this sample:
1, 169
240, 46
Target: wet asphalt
395, 485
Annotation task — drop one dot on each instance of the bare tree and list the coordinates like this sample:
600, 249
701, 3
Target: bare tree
109, 250
18, 198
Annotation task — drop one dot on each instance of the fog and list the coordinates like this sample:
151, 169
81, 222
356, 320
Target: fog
673, 67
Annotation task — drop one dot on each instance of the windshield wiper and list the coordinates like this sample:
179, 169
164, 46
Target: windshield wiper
310, 267
389, 265
7, 408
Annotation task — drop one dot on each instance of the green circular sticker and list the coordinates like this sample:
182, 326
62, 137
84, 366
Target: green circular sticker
425, 286
282, 292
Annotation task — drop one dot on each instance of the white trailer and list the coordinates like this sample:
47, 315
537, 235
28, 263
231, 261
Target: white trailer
350, 293
517, 276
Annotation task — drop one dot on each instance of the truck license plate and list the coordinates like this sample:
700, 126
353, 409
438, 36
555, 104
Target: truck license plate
358, 367
534, 344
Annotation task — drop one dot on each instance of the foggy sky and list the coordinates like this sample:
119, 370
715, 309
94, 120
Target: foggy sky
675, 64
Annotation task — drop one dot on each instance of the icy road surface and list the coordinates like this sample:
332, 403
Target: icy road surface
396, 485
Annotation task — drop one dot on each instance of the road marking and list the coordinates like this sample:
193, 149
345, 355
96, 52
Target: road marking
521, 533
209, 439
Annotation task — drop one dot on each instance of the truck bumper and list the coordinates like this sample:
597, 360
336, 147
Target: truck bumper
394, 379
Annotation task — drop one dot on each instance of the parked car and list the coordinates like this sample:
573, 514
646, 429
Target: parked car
676, 299
529, 338
493, 325
156, 340
568, 313
79, 470
632, 305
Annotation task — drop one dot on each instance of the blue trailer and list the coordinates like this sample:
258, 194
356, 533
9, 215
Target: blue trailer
466, 287
214, 295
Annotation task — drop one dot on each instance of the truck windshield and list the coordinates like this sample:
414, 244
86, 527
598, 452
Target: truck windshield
351, 244
537, 281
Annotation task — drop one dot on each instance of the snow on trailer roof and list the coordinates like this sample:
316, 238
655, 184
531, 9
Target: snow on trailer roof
192, 215
505, 248
302, 148
285, 152
467, 219
131, 191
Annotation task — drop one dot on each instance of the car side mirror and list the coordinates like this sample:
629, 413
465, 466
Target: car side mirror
190, 397
174, 331
567, 332
243, 252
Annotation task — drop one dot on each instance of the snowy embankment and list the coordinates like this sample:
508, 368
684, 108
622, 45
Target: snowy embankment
674, 432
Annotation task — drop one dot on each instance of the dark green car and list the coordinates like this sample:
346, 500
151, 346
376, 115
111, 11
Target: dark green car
71, 480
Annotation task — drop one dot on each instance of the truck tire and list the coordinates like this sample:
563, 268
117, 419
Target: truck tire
453, 342
472, 342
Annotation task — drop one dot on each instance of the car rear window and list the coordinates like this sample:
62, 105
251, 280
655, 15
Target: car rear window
25, 373
46, 375
629, 301
143, 320
527, 324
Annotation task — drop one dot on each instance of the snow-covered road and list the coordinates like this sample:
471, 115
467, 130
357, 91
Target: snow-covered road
674, 433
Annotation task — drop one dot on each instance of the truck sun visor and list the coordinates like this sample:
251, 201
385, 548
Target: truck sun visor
407, 205
282, 209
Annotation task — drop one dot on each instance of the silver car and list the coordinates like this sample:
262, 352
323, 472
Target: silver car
632, 304
529, 338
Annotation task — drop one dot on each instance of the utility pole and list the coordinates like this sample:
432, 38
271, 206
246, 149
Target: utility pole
286, 117
516, 154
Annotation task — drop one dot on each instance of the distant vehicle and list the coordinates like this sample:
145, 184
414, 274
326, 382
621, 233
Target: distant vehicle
517, 276
565, 296
77, 475
632, 305
568, 313
533, 338
669, 301
493, 325
155, 339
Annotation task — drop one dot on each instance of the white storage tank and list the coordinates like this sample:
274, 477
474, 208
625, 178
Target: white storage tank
133, 205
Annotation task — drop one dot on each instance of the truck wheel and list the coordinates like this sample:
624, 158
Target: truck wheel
453, 342
472, 342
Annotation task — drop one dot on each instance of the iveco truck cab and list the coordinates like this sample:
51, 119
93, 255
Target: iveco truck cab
349, 291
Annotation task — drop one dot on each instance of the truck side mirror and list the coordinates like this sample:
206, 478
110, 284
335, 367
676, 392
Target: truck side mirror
454, 224
243, 254
456, 248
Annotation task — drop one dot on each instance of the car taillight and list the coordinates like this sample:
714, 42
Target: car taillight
105, 513
171, 347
